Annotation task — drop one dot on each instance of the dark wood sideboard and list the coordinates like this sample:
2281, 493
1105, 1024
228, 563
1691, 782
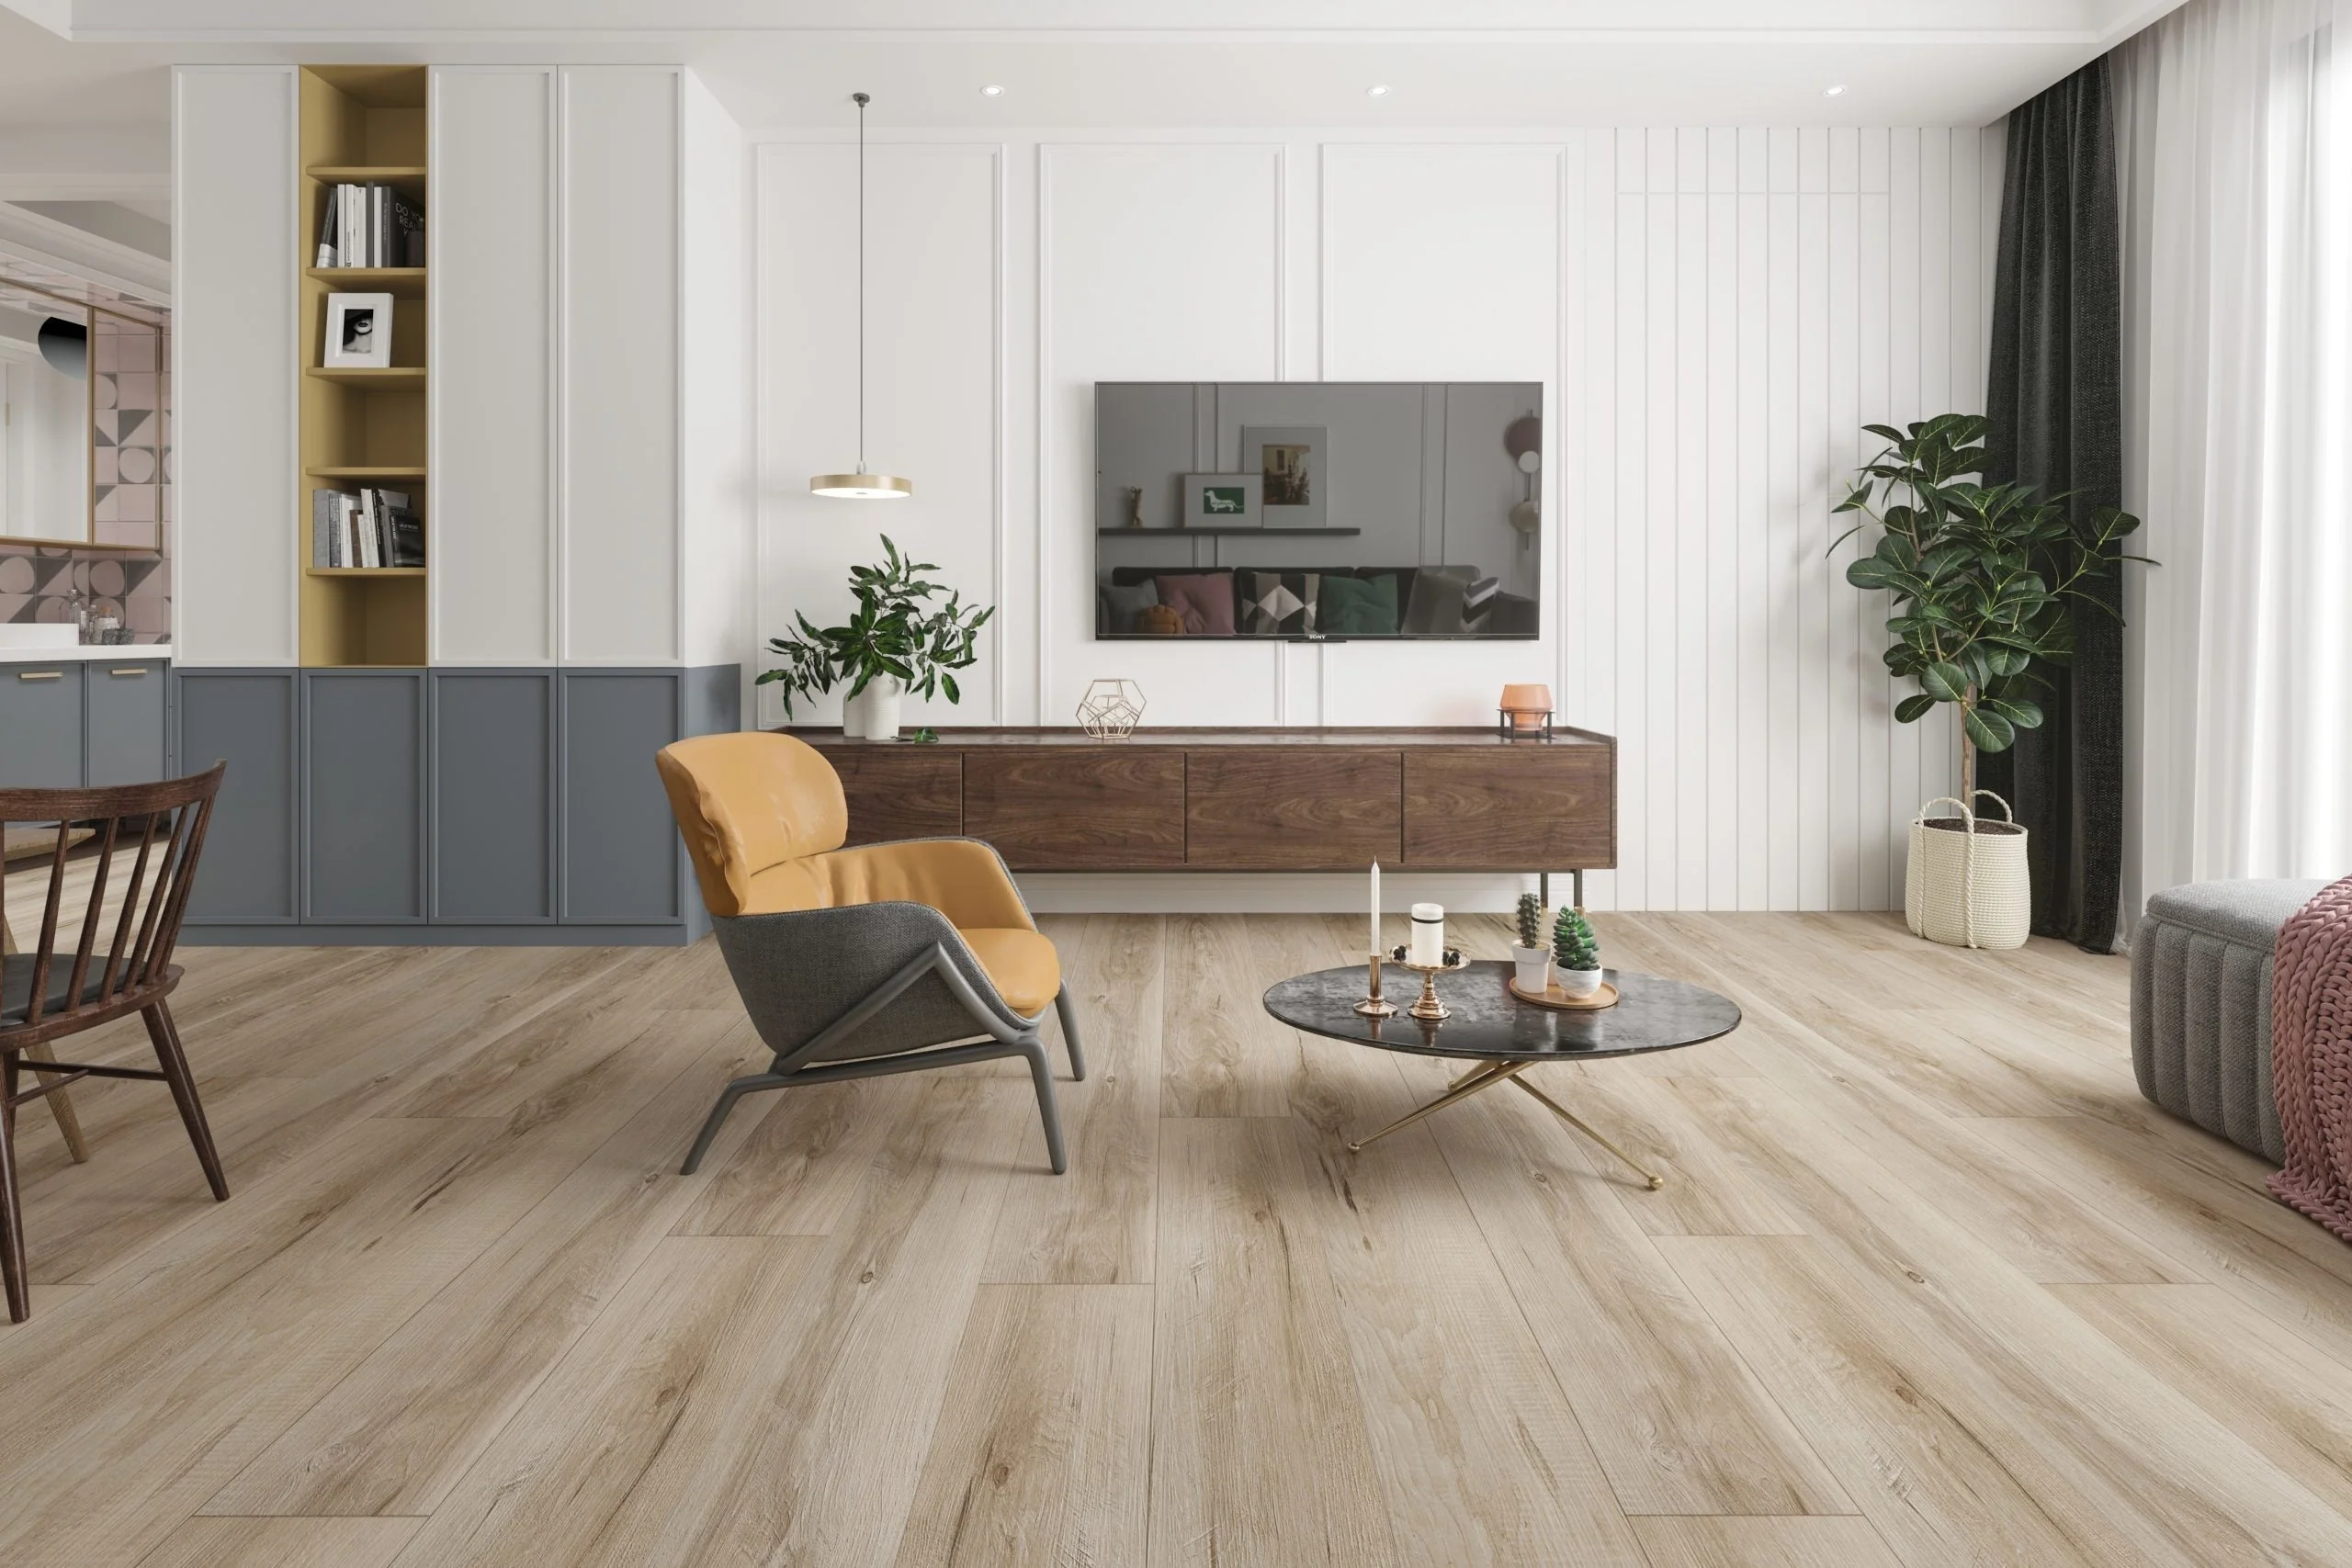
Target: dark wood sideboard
1243, 799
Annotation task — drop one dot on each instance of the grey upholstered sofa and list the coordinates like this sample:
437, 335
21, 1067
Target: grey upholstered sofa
2200, 1004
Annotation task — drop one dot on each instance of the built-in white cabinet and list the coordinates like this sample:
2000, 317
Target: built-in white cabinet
492, 244
623, 186
233, 461
575, 418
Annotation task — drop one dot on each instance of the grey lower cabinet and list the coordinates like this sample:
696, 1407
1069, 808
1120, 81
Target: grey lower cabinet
493, 835
617, 868
40, 725
249, 719
459, 805
124, 715
363, 796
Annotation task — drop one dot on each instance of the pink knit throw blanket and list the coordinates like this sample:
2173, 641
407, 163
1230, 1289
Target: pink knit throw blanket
2311, 1058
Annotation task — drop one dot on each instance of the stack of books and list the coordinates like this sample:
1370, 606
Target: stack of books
370, 225
367, 527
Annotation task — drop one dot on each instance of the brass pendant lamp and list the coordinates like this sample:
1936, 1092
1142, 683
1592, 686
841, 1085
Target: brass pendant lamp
860, 485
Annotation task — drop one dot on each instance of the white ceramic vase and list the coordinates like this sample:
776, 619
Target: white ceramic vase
873, 713
1577, 982
1533, 967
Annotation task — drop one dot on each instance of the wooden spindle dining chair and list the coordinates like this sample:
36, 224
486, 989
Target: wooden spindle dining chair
46, 994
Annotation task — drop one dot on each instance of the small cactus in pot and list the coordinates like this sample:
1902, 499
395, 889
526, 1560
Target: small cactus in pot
1530, 954
1576, 954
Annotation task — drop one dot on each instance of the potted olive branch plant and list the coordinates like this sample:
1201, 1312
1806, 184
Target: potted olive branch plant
1985, 582
896, 641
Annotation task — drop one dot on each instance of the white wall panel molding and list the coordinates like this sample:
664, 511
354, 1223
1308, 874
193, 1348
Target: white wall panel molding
620, 550
1712, 313
935, 376
493, 461
1157, 261
234, 360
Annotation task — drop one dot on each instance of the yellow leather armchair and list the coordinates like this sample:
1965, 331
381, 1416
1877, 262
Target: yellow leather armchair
857, 962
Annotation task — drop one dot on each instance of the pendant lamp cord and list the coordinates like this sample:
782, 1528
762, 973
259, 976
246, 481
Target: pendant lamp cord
862, 101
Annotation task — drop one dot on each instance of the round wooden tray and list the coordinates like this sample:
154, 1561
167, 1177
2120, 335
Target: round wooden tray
1559, 1000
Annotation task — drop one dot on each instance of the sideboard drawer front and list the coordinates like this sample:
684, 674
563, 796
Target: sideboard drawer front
40, 725
1099, 808
1292, 808
902, 792
1542, 808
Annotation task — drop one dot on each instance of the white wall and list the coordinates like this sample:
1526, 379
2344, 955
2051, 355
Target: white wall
232, 351
1711, 313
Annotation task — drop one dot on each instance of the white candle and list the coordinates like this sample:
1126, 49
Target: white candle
1375, 908
1429, 934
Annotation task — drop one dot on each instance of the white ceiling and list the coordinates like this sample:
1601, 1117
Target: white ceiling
99, 66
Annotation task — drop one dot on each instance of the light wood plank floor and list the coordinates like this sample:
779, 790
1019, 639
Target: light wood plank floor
1929, 1284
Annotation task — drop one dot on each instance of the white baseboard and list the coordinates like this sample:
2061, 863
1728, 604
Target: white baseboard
1271, 893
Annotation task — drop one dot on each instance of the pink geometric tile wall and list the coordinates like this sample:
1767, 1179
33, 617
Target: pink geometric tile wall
131, 363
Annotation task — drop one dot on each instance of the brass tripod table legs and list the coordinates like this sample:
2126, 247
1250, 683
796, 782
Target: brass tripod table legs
1485, 1075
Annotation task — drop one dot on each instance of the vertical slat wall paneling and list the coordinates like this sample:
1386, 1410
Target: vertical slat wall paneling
1595, 569
1843, 608
1783, 557
1755, 605
1938, 343
1691, 530
1720, 560
1659, 483
491, 553
1807, 536
1874, 816
1906, 328
1635, 760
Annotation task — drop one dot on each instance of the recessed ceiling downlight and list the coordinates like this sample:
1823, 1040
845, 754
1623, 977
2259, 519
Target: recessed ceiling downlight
992, 91
1833, 91
1377, 90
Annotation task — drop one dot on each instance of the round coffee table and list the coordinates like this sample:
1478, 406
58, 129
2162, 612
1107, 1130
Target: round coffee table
1506, 1036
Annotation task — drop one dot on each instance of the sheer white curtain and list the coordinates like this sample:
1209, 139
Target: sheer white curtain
2237, 188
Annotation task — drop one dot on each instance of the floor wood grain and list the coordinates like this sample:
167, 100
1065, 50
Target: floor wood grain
1930, 1284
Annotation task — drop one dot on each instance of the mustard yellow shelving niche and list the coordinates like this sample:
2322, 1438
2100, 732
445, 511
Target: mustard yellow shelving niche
362, 125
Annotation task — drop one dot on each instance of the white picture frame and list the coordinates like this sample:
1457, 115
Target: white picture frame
1223, 501
358, 332
1290, 460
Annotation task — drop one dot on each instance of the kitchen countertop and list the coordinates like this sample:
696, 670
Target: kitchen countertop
76, 653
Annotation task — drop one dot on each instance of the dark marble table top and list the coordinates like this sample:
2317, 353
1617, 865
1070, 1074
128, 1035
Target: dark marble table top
1490, 1025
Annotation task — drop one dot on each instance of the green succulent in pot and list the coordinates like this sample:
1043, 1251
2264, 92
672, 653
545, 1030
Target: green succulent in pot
1573, 947
1531, 921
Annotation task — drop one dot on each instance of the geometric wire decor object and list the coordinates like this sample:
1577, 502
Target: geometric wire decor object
1111, 709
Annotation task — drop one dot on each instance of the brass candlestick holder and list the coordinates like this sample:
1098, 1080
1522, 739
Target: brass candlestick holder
1426, 1007
1373, 1006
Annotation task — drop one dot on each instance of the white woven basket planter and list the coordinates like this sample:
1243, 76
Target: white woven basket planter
1967, 885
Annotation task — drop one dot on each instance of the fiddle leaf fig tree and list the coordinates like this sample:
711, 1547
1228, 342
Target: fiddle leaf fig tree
895, 631
1985, 579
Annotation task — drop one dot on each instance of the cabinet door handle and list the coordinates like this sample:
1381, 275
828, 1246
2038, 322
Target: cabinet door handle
41, 675
134, 670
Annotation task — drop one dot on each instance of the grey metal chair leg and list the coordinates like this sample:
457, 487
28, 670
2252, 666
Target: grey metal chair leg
1041, 1072
735, 1090
1067, 1010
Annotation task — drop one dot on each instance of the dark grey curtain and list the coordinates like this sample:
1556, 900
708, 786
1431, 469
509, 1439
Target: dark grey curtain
2055, 399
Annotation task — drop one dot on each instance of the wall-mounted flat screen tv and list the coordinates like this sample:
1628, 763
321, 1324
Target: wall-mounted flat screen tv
1318, 509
